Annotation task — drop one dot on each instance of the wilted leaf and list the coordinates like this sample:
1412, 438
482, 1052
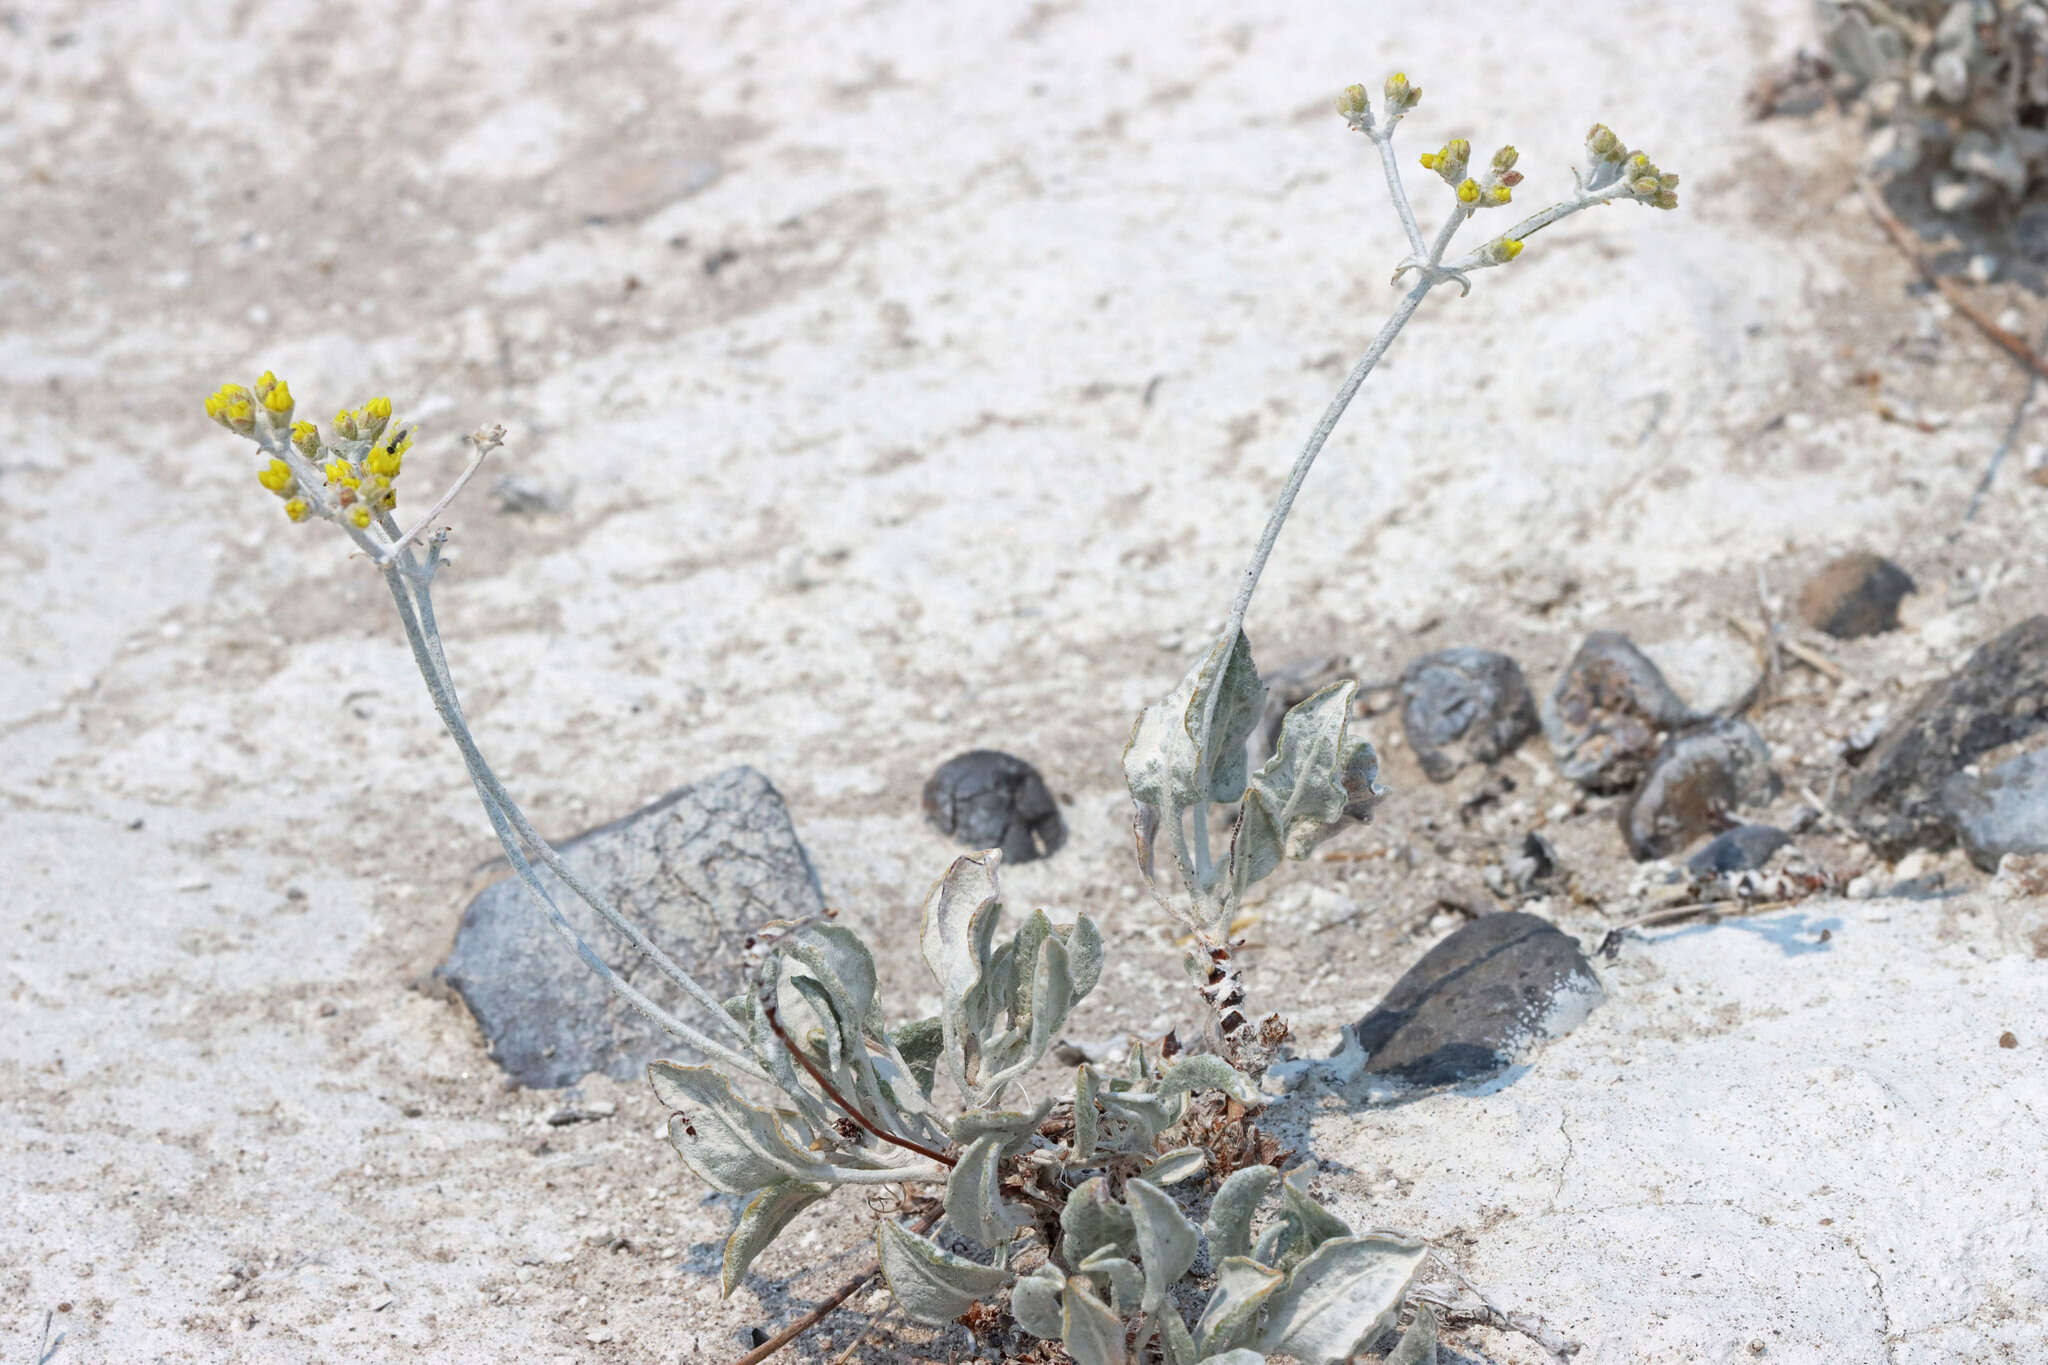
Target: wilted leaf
974, 1199
1167, 1241
1231, 1315
1229, 1226
1035, 1302
1092, 1334
1343, 1294
736, 1147
763, 1219
1318, 777
1014, 1127
933, 1285
1176, 762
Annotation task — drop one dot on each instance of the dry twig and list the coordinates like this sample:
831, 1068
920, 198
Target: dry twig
830, 1304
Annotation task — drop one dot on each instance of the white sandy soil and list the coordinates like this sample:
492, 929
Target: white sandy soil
911, 378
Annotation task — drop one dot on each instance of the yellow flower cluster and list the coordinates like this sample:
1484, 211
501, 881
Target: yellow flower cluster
363, 455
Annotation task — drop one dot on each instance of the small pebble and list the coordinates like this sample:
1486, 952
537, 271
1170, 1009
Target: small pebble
1608, 713
1462, 706
1742, 849
1699, 778
2008, 1040
1856, 595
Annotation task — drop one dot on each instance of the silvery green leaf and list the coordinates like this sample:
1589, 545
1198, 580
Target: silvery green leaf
734, 1146
833, 1029
1035, 1302
1313, 1224
1032, 932
1174, 762
1317, 778
1092, 1334
1085, 1130
837, 957
1275, 1241
974, 1198
763, 1219
1139, 1119
1231, 1316
1052, 996
1170, 1168
1175, 1340
1229, 1226
1240, 1356
1126, 1281
1205, 1071
1084, 955
933, 1285
986, 1008
1343, 1294
1013, 1127
1418, 1343
919, 1044
959, 921
1167, 1241
1092, 1220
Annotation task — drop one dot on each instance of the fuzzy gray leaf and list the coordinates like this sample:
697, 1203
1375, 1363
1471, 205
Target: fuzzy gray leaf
1175, 1340
974, 1199
1240, 1356
919, 1044
1313, 1224
761, 1222
959, 922
1126, 1281
1342, 1295
933, 1285
1084, 956
1229, 1226
1052, 996
1418, 1343
1170, 1168
1231, 1316
1092, 1220
1035, 1302
1317, 778
1085, 1122
734, 1146
1092, 1334
1014, 1127
1167, 1241
1205, 1071
1168, 764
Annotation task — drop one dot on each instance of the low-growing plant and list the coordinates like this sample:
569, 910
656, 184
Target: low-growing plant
1075, 1207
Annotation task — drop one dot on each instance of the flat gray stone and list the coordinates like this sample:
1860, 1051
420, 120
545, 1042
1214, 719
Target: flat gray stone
1477, 999
1746, 848
696, 871
1998, 697
2001, 810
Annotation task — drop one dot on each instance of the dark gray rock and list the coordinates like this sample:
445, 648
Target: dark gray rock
1858, 594
697, 871
1698, 780
1608, 713
1462, 706
1999, 696
988, 799
1742, 849
2001, 810
1477, 999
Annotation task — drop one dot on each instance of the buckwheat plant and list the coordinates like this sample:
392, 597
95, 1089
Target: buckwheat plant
1077, 1208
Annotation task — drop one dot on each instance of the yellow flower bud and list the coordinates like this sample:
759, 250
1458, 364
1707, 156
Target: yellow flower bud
1510, 247
279, 399
1351, 103
297, 509
264, 384
277, 477
1429, 160
1499, 194
240, 415
306, 437
1468, 191
1504, 160
345, 425
359, 516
